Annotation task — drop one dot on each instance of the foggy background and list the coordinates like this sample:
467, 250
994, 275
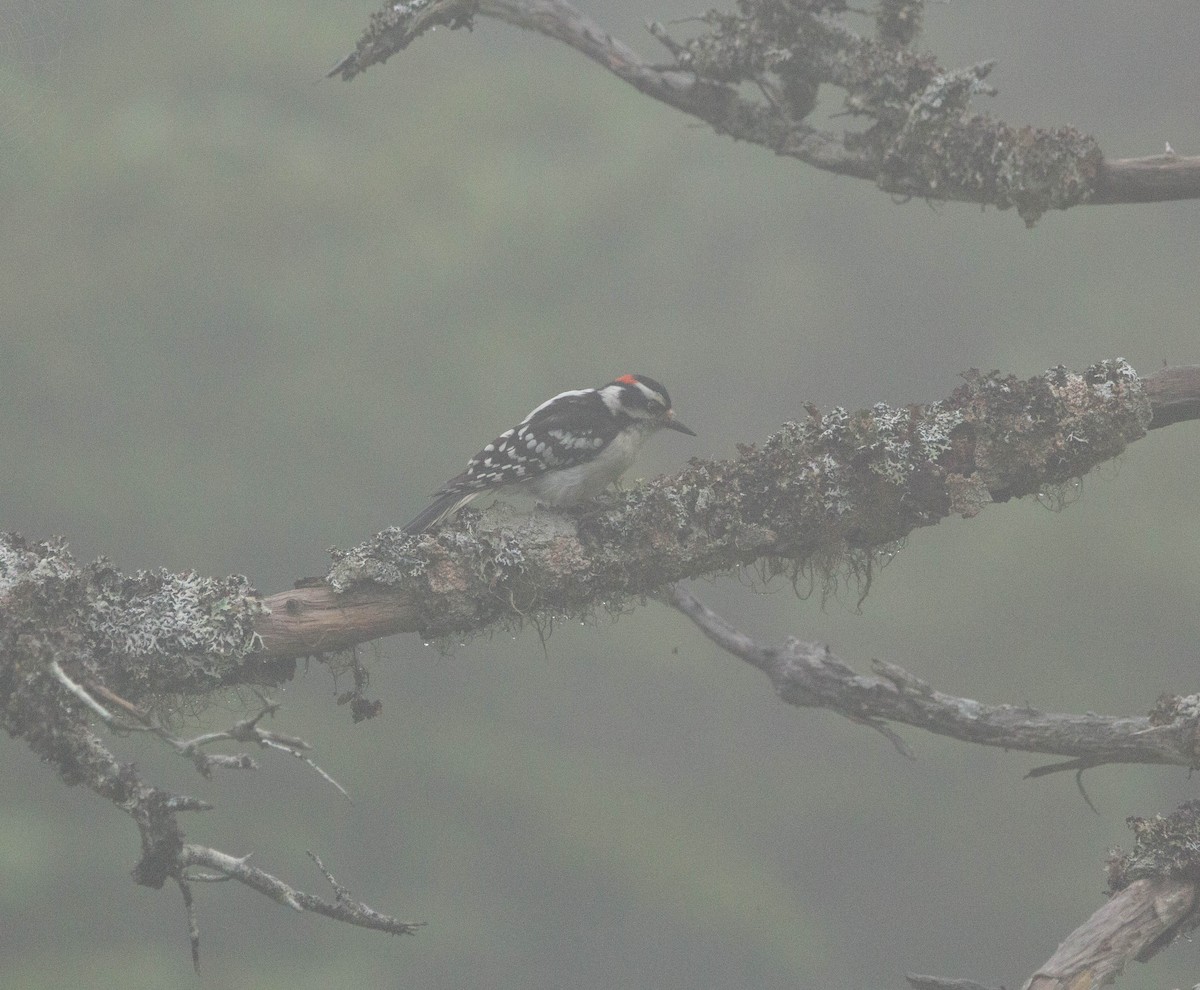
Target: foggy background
248, 314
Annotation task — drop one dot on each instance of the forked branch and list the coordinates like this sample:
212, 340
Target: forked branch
65, 739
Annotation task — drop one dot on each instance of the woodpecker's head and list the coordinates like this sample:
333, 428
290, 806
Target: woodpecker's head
643, 399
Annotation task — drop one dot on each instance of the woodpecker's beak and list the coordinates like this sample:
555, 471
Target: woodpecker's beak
674, 424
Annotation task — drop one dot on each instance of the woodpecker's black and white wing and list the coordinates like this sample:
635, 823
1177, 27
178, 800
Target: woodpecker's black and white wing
563, 432
566, 450
560, 433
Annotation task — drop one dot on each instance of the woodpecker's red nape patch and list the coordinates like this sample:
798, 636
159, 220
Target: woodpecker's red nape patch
627, 380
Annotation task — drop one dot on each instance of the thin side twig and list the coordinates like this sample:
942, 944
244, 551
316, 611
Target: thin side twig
98, 709
345, 908
245, 730
193, 922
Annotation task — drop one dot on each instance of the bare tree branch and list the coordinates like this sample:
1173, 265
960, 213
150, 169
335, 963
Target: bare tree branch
816, 500
1156, 179
343, 908
810, 675
1154, 887
1174, 395
920, 139
1132, 925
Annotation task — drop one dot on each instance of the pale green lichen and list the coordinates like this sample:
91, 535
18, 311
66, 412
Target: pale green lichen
1033, 435
390, 558
153, 612
395, 558
902, 441
150, 629
35, 563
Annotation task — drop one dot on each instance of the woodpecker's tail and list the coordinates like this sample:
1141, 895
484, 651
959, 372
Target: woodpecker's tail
444, 505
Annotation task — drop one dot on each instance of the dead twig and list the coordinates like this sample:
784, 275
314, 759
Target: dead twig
810, 675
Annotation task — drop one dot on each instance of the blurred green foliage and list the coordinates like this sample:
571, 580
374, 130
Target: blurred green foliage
248, 314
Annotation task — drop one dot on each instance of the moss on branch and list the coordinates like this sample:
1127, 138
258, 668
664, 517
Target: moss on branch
818, 499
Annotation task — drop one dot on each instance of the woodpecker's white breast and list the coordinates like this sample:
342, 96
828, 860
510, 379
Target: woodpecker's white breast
568, 486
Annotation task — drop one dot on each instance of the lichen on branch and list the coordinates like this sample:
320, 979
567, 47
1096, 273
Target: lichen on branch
821, 495
755, 73
147, 631
918, 122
